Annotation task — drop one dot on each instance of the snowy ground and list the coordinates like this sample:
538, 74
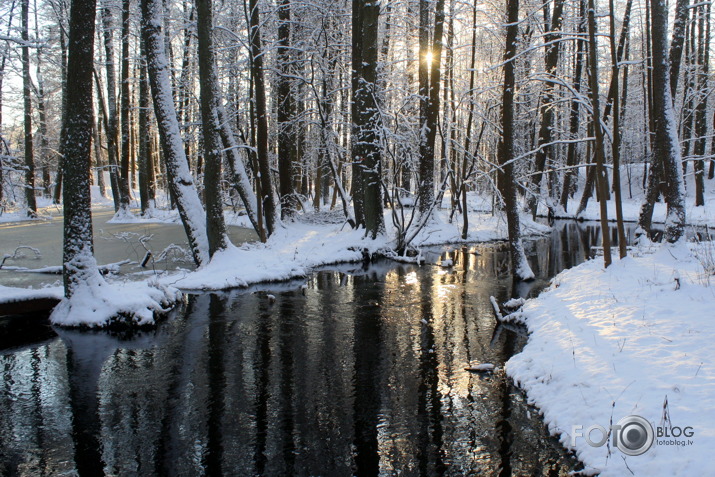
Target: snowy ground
320, 239
632, 197
605, 344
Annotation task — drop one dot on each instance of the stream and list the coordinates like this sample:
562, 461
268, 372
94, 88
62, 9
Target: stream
358, 370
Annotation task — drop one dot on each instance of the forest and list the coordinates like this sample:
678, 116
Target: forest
360, 237
291, 106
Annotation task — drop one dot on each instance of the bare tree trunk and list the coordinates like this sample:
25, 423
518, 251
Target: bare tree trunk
598, 130
701, 127
285, 114
545, 151
616, 145
111, 126
145, 160
27, 100
180, 181
124, 193
506, 180
5, 52
569, 186
429, 79
267, 197
215, 226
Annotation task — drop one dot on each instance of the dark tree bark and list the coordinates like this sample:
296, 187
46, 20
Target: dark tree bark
506, 181
666, 151
124, 193
429, 81
569, 186
267, 196
215, 226
357, 185
146, 162
701, 126
598, 130
366, 121
676, 46
616, 145
285, 114
3, 62
78, 259
111, 126
180, 181
27, 101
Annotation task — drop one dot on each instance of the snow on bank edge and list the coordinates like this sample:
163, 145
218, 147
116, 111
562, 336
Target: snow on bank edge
96, 303
605, 344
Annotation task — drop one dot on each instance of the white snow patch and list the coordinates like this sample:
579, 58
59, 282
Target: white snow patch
605, 344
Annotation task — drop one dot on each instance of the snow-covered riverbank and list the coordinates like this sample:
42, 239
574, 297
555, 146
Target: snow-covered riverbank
634, 339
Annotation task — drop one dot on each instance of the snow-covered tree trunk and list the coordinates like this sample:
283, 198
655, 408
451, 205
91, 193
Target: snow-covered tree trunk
666, 145
506, 180
180, 181
79, 265
215, 226
366, 124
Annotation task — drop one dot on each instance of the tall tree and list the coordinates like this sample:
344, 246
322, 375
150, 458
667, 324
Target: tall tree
125, 105
78, 259
701, 126
366, 120
569, 186
146, 161
429, 80
215, 226
599, 145
545, 149
285, 112
27, 101
180, 182
267, 196
616, 143
111, 111
506, 180
666, 147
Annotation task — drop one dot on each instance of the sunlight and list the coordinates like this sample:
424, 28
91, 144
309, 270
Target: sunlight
428, 58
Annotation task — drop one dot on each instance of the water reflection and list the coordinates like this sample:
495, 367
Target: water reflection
359, 372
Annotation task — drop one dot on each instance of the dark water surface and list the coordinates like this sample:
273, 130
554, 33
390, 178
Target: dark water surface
358, 370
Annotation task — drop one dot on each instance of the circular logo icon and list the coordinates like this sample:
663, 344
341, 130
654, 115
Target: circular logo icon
635, 435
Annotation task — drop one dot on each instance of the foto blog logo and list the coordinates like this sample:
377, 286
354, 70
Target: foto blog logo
632, 435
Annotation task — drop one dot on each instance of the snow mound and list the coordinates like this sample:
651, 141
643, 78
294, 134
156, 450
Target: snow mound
99, 304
